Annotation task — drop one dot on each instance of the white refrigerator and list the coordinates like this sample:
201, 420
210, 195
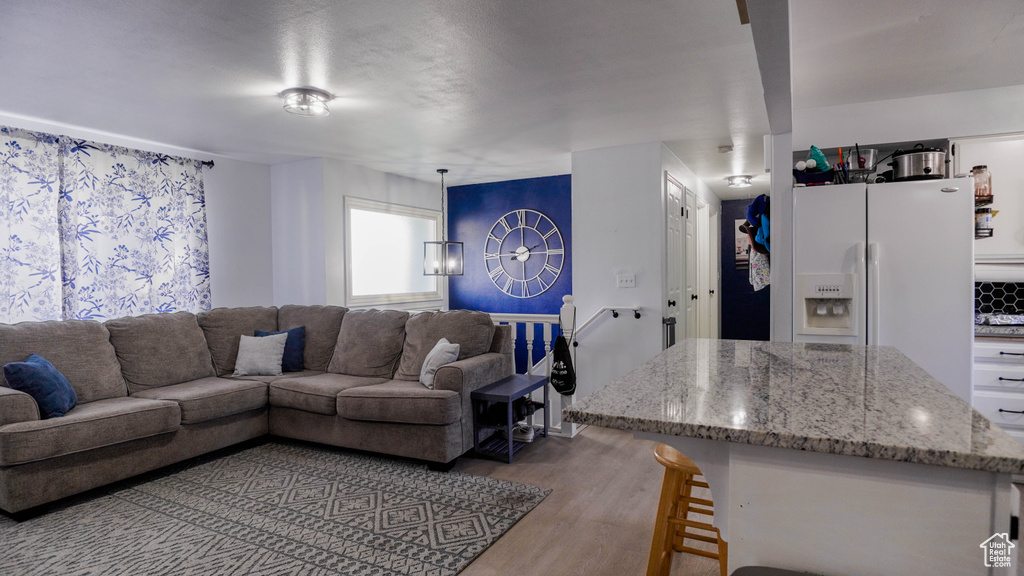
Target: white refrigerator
889, 264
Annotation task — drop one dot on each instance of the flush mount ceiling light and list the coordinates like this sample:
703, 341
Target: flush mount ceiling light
739, 181
442, 258
306, 102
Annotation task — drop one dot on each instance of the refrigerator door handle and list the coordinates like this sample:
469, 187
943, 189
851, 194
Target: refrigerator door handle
874, 308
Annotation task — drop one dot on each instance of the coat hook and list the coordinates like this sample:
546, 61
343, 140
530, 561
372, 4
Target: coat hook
615, 314
636, 314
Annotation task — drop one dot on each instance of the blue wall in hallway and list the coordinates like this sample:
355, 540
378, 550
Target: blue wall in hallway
745, 313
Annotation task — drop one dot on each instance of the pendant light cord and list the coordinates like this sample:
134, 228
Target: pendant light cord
444, 218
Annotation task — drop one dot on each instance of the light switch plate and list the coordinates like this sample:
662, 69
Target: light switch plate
625, 280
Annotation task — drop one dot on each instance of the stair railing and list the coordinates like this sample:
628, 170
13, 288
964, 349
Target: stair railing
565, 319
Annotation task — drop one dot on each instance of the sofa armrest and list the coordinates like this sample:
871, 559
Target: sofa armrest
16, 406
467, 375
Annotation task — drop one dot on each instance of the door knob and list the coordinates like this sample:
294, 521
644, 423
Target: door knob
712, 292
693, 296
671, 302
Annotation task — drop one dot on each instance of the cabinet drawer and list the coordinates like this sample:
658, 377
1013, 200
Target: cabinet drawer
1007, 377
989, 404
999, 351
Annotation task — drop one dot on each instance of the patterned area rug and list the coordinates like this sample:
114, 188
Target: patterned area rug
275, 509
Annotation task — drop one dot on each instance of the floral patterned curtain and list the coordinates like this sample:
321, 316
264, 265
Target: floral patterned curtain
29, 240
127, 229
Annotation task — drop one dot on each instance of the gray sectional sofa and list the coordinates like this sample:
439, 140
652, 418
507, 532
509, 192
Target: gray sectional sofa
157, 389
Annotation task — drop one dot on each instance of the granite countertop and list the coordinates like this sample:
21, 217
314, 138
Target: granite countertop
999, 331
852, 400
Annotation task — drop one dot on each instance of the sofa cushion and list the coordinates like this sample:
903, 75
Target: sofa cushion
260, 355
211, 398
160, 349
291, 361
322, 326
472, 331
44, 383
317, 394
370, 343
79, 349
282, 376
402, 402
223, 326
87, 426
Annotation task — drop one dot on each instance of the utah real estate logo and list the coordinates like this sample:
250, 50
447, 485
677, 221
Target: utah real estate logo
998, 550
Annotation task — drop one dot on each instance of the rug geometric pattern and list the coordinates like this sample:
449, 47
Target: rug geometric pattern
277, 509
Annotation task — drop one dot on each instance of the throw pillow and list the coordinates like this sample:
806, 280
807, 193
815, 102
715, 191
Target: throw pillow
294, 347
260, 356
40, 380
442, 353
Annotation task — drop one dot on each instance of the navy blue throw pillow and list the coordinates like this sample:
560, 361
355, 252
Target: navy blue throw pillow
40, 380
293, 347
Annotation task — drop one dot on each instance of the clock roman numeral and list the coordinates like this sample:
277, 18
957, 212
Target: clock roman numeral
551, 269
508, 285
549, 232
493, 237
494, 274
556, 251
521, 217
526, 289
491, 255
505, 224
543, 285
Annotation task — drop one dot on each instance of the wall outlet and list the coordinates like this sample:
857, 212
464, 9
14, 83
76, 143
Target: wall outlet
625, 280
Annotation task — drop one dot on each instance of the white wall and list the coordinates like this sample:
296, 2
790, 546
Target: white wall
969, 113
238, 216
308, 203
343, 179
298, 219
618, 223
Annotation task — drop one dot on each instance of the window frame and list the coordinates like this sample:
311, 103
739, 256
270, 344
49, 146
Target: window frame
362, 301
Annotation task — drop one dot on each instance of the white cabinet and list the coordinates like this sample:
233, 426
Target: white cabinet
999, 383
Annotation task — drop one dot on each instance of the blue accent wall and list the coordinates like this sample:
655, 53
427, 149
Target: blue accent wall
473, 210
745, 313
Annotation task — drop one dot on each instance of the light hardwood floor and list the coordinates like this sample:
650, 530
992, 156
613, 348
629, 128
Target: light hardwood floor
599, 517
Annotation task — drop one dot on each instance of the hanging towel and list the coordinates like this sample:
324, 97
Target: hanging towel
760, 270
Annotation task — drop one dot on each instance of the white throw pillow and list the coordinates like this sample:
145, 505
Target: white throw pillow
260, 356
444, 352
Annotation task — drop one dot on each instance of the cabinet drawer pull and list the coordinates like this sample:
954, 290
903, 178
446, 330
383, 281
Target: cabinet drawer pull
1001, 353
1012, 411
1001, 379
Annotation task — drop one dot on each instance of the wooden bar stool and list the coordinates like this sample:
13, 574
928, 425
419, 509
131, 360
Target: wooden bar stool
673, 526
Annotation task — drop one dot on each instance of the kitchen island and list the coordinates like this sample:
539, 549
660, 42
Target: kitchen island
838, 459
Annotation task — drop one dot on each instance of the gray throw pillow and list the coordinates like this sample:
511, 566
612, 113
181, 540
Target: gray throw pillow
260, 356
442, 353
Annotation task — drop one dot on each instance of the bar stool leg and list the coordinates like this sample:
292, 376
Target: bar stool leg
659, 563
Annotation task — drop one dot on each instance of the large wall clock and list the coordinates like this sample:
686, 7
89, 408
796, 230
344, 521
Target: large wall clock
524, 253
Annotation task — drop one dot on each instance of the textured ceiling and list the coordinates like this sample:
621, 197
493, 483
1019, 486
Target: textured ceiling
867, 50
492, 90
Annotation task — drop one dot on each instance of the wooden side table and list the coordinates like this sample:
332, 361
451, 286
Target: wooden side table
506, 391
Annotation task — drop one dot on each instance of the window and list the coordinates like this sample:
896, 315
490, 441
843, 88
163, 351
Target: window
384, 253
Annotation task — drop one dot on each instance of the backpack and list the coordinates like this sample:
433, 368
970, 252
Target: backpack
563, 376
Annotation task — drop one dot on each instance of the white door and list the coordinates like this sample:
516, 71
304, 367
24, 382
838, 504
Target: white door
921, 275
703, 269
714, 270
690, 281
674, 253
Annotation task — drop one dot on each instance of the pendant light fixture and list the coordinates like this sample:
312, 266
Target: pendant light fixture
442, 258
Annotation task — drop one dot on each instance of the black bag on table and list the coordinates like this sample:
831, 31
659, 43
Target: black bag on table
563, 376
